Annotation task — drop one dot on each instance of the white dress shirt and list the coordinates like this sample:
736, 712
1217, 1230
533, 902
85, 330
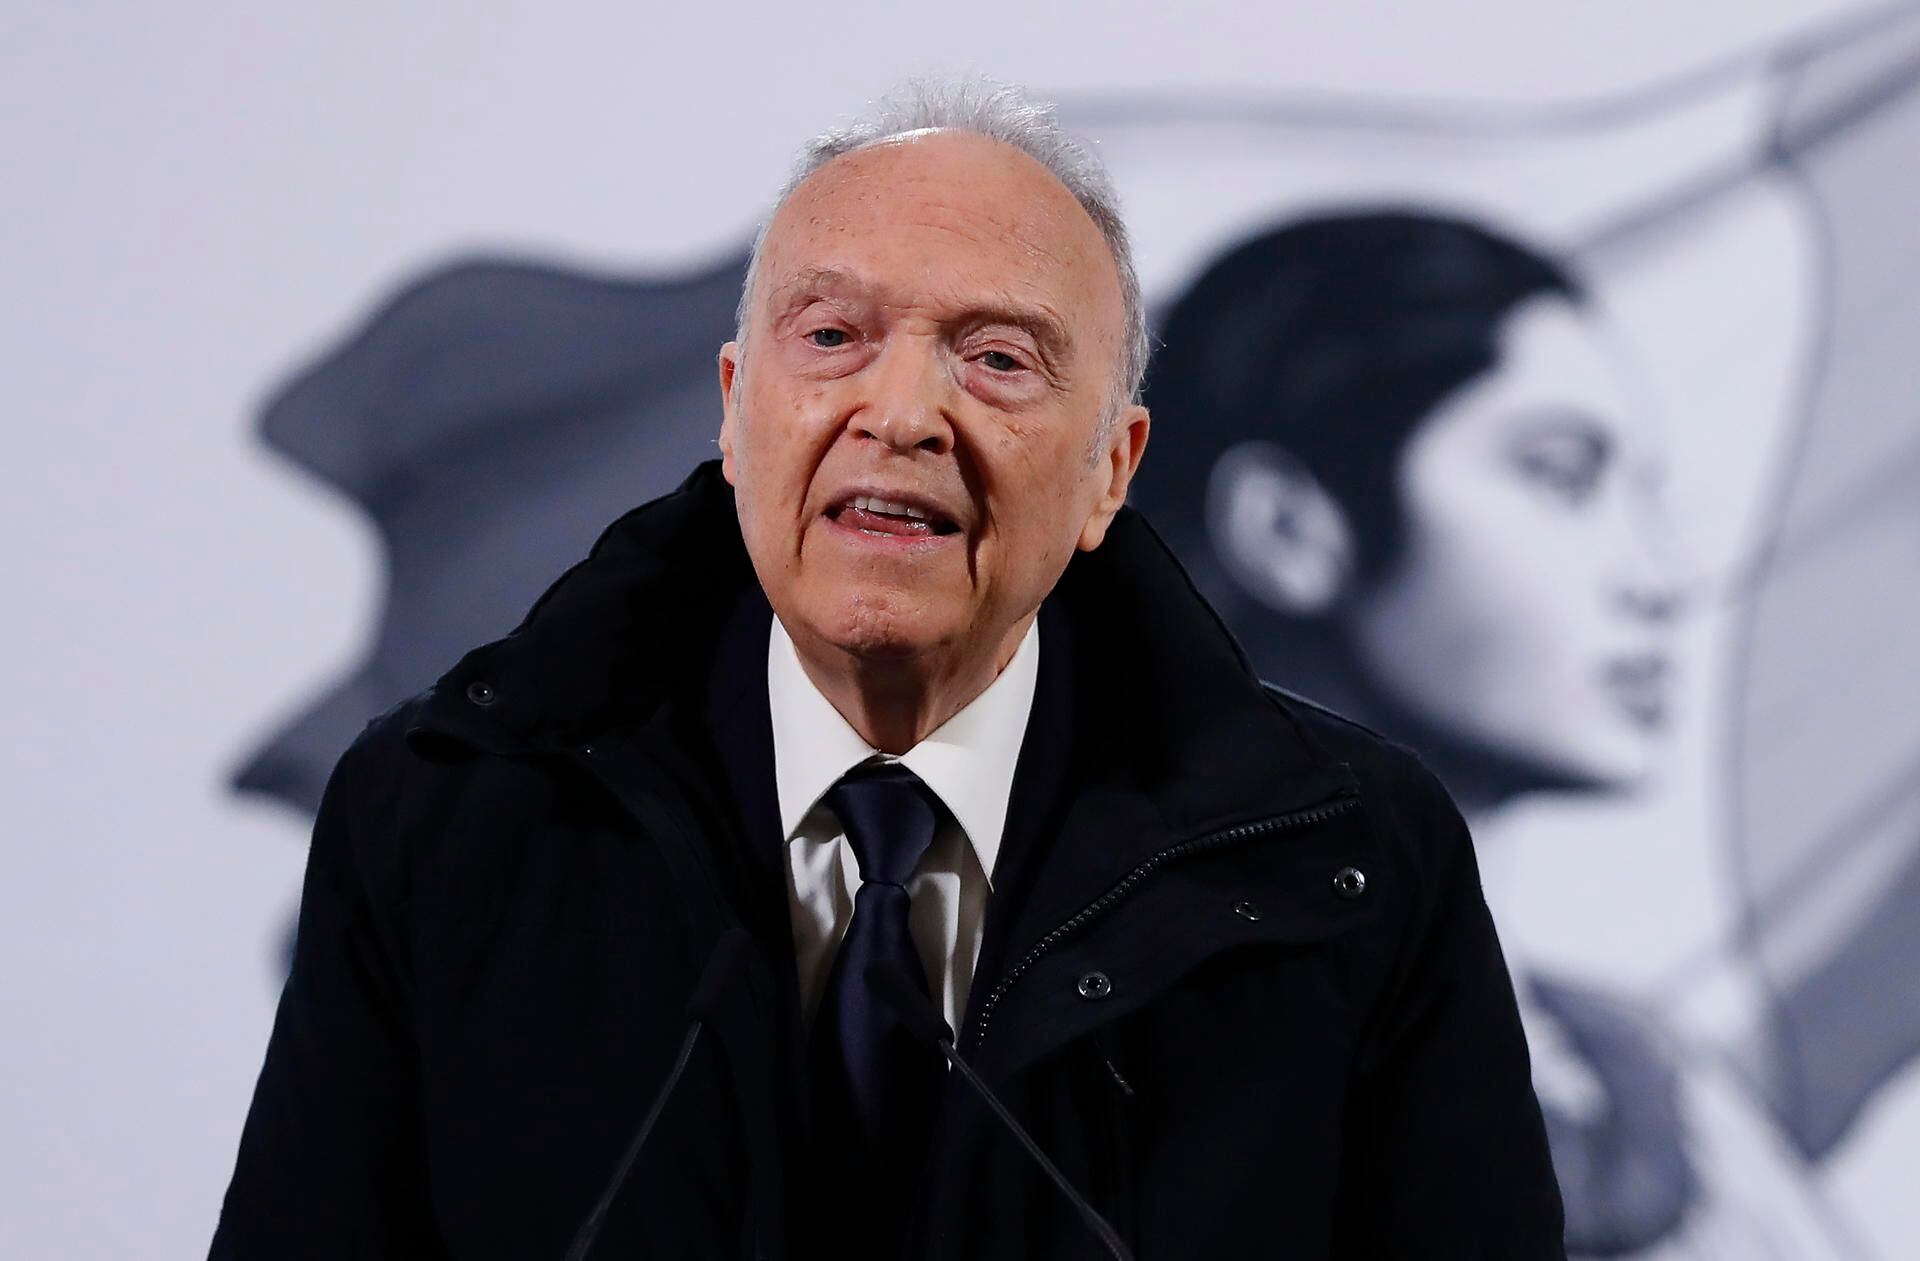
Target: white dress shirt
968, 762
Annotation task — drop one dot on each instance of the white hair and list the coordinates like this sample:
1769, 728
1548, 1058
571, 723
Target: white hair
999, 112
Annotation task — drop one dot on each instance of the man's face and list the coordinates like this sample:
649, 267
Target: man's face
910, 426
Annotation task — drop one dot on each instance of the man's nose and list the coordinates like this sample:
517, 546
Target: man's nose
906, 403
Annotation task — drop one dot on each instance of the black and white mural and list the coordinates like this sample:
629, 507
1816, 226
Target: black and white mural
1578, 448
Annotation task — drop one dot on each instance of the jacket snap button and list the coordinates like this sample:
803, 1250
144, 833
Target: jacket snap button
1349, 882
1095, 985
480, 693
1247, 911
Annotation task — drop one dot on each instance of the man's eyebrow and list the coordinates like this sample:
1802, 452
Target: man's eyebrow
1046, 329
809, 281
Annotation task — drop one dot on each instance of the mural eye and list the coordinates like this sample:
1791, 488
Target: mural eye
828, 338
1000, 361
1567, 462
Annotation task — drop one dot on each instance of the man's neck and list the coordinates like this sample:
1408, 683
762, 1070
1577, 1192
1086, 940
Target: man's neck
896, 702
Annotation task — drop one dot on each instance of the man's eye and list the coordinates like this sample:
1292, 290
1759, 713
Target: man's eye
1000, 361
828, 338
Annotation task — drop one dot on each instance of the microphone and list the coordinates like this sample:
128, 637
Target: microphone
728, 961
916, 1011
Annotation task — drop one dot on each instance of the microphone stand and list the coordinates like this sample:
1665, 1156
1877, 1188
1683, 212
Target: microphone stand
914, 1010
583, 1240
730, 957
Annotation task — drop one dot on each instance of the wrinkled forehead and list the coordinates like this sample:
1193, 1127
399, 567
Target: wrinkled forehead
945, 215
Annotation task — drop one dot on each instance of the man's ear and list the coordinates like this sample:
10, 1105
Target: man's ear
1124, 449
1277, 531
729, 364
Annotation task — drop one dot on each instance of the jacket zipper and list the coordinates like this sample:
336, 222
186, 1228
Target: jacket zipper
1105, 902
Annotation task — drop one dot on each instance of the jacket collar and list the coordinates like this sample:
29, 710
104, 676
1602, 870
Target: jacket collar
1173, 733
608, 641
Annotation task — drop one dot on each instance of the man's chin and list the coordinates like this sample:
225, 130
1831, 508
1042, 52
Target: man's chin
881, 630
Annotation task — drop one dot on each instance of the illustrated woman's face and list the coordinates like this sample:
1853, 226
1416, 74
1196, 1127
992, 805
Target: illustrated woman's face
1528, 614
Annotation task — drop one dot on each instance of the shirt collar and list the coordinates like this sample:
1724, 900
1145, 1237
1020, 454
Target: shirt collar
968, 761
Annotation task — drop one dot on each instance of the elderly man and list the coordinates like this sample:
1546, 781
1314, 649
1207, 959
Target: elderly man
636, 932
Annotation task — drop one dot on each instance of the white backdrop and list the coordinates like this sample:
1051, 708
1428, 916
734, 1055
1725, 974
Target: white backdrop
199, 197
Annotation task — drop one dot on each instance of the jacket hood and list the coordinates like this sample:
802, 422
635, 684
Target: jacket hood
1165, 696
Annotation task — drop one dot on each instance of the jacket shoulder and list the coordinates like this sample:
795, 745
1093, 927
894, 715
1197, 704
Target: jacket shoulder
380, 755
1368, 753
381, 789
1413, 809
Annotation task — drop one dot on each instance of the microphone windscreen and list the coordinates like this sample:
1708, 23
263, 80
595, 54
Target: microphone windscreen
728, 962
905, 1000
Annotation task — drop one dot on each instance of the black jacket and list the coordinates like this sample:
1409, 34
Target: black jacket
1238, 975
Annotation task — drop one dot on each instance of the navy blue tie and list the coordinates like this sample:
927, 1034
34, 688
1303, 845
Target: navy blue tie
874, 1082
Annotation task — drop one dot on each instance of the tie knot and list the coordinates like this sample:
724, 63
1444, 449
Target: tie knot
889, 816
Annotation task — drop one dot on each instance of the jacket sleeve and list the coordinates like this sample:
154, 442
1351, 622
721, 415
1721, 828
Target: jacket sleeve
331, 1160
1446, 1151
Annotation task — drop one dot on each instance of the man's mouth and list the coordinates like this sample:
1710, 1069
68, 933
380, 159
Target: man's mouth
896, 518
